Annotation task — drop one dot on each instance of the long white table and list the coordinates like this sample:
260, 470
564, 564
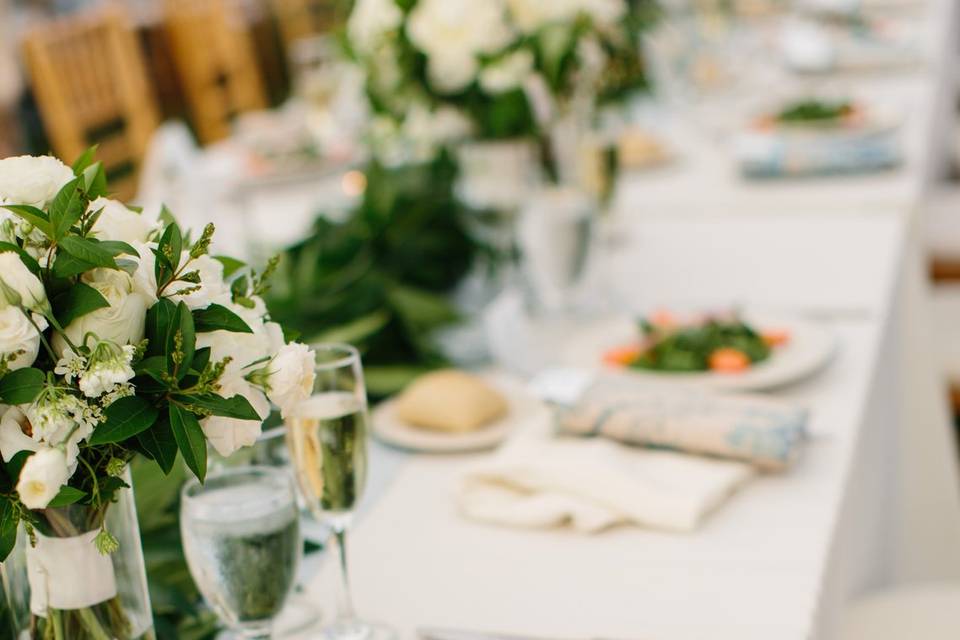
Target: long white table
779, 561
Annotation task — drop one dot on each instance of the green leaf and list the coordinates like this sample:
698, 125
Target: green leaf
190, 440
88, 250
171, 243
25, 257
201, 357
159, 318
95, 181
218, 318
21, 386
67, 495
166, 216
67, 207
84, 161
117, 248
234, 407
230, 265
77, 301
34, 216
67, 266
158, 441
9, 519
123, 419
14, 465
387, 380
181, 325
153, 366
356, 330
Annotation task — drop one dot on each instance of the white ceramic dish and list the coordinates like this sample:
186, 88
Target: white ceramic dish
810, 348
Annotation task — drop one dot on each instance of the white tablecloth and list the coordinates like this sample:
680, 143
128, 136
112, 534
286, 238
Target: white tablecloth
785, 555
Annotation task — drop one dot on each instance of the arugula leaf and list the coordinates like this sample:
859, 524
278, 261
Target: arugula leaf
124, 418
21, 386
77, 301
190, 439
218, 318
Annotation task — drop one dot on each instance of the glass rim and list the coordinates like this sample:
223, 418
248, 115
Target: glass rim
350, 355
251, 469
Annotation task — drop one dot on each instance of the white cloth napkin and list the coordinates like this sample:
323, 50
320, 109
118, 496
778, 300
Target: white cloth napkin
538, 481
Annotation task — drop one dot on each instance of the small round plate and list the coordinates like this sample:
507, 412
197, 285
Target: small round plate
810, 348
521, 406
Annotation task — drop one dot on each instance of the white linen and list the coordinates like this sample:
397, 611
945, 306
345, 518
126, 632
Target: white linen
594, 484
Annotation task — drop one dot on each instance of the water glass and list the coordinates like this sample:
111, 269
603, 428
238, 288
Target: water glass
241, 538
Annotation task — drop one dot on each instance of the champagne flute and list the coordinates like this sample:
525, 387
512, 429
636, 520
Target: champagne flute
241, 538
327, 439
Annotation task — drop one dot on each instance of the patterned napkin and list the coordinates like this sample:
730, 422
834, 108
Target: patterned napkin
764, 432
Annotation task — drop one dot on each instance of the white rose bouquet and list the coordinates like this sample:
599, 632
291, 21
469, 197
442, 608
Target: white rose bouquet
119, 336
506, 65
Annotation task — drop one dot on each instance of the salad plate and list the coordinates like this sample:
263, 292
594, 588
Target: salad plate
750, 351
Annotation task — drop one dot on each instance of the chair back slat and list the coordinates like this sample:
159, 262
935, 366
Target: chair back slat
90, 82
214, 56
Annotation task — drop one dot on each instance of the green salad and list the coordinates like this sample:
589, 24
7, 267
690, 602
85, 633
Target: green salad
814, 111
716, 344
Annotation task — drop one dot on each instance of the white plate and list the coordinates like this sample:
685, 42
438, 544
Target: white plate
521, 407
810, 348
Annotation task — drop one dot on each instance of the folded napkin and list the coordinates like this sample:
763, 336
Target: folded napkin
764, 432
816, 153
540, 481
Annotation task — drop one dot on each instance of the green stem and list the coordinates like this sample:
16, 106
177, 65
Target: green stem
57, 624
43, 338
92, 624
59, 329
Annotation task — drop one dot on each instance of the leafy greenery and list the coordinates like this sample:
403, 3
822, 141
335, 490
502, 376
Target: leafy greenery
818, 111
378, 280
689, 348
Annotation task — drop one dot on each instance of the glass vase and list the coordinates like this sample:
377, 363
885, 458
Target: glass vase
60, 587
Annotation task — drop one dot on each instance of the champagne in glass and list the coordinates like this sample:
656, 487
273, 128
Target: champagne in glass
241, 538
327, 439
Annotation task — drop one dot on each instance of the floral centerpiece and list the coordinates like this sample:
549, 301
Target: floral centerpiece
119, 336
504, 69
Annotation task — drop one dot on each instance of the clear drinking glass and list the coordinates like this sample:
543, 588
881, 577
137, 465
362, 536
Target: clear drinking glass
241, 537
327, 439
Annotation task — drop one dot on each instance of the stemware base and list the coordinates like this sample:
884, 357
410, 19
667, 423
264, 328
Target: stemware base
356, 630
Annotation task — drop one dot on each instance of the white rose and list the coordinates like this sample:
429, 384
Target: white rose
508, 73
18, 335
117, 222
604, 12
229, 434
291, 376
453, 33
15, 275
145, 277
13, 439
369, 21
424, 130
123, 322
32, 180
531, 15
41, 478
242, 348
212, 289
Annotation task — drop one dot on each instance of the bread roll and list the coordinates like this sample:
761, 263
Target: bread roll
451, 401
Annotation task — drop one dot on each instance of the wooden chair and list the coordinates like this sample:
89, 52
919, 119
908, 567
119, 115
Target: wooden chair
304, 19
215, 59
90, 83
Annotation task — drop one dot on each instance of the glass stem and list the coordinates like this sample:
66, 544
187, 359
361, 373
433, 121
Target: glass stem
345, 609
